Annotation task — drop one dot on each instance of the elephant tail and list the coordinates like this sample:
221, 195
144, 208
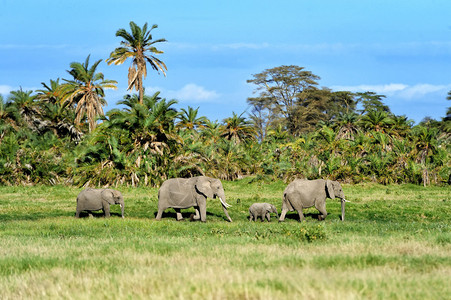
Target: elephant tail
286, 205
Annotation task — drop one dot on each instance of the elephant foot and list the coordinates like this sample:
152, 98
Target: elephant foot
193, 218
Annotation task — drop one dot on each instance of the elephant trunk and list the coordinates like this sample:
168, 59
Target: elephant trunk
343, 202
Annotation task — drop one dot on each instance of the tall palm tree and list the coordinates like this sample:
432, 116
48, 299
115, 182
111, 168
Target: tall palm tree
136, 45
86, 91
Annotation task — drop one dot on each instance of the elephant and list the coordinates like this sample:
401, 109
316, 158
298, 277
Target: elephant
180, 193
263, 210
302, 193
98, 199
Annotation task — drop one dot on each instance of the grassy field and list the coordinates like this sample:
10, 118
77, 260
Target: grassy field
394, 244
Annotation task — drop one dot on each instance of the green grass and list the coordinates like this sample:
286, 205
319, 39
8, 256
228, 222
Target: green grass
394, 244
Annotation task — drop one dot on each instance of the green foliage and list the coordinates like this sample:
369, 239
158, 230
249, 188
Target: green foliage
295, 131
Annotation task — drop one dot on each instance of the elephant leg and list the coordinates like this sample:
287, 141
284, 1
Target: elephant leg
251, 217
106, 211
282, 214
106, 208
268, 216
297, 205
203, 212
196, 215
322, 209
159, 214
179, 216
77, 213
301, 215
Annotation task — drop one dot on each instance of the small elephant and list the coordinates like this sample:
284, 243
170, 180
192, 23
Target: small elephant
302, 193
261, 210
180, 193
98, 199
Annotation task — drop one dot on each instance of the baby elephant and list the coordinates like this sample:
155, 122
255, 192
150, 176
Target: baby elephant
98, 199
261, 210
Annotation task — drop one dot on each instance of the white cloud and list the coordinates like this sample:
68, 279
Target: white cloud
400, 90
192, 93
5, 89
421, 90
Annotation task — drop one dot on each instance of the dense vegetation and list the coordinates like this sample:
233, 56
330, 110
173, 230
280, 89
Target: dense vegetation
394, 244
60, 134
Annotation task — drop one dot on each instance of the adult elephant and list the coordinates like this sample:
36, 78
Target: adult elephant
180, 193
302, 193
99, 199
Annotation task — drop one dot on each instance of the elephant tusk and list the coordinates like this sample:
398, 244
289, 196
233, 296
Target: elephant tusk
344, 200
225, 204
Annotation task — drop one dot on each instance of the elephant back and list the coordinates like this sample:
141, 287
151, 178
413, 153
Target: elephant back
179, 192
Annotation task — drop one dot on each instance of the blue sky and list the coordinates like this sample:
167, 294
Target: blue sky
401, 49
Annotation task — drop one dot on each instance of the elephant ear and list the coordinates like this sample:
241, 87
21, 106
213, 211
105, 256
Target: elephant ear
203, 186
108, 196
274, 209
330, 189
117, 196
269, 207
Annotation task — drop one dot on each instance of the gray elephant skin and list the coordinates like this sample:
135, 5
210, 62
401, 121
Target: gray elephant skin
302, 193
99, 199
180, 193
262, 210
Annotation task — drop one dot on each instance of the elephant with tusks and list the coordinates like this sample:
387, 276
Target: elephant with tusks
180, 193
302, 193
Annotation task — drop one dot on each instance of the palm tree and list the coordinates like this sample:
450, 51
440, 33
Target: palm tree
136, 45
50, 93
378, 121
347, 124
189, 119
149, 128
278, 133
86, 91
401, 126
22, 108
211, 132
5, 115
57, 117
238, 129
425, 147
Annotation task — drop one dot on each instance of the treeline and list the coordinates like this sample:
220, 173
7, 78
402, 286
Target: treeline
145, 143
60, 134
